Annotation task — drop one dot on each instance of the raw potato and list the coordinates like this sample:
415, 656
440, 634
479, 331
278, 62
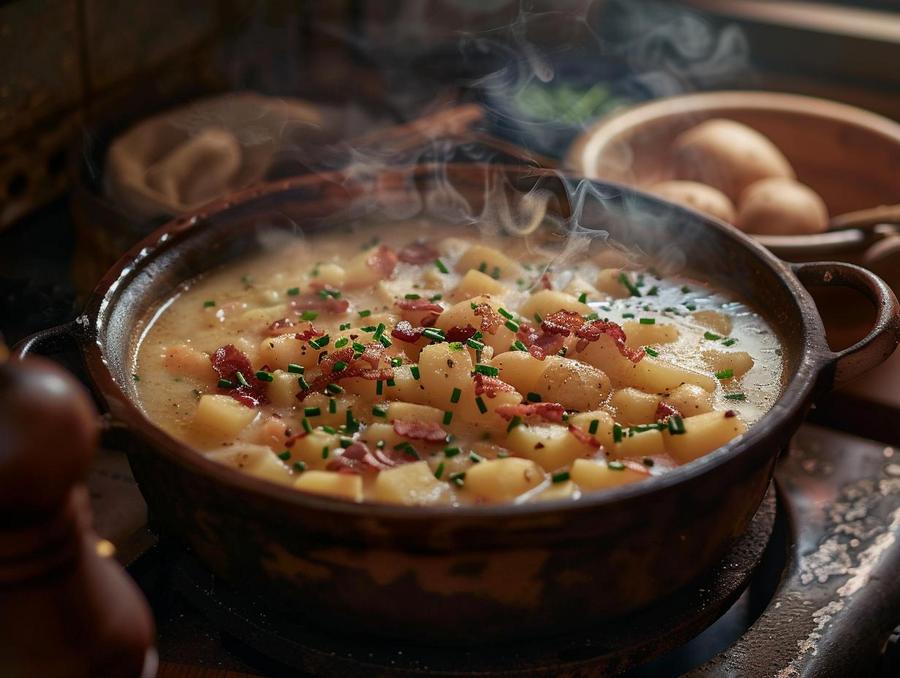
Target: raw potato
257, 460
340, 485
703, 434
634, 407
728, 156
697, 196
412, 485
546, 302
590, 475
781, 207
503, 479
575, 385
221, 417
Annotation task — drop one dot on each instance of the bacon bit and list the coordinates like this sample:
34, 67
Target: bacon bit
419, 305
547, 411
358, 458
490, 320
490, 386
383, 260
417, 253
279, 327
545, 281
315, 302
596, 329
227, 361
404, 331
730, 413
664, 411
528, 333
420, 430
546, 344
584, 438
363, 367
309, 333
460, 334
562, 323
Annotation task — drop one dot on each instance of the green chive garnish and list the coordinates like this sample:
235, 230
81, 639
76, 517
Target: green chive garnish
320, 342
582, 297
309, 315
433, 333
481, 406
559, 477
441, 266
725, 374
334, 389
735, 396
515, 421
209, 303
448, 417
477, 345
311, 411
241, 379
293, 291
325, 452
365, 313
332, 406
299, 466
615, 466
295, 368
224, 383
651, 351
303, 384
729, 342
533, 397
306, 425
339, 366
632, 290
439, 471
458, 478
647, 321
284, 456
379, 411
592, 427
711, 336
487, 370
379, 387
628, 315
414, 371
454, 395
451, 451
617, 433
340, 343
475, 458
676, 425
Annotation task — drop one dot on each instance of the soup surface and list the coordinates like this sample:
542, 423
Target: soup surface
432, 365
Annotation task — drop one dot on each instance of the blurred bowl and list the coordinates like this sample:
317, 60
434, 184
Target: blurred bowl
849, 156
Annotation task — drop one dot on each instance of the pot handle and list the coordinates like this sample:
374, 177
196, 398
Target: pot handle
882, 339
50, 340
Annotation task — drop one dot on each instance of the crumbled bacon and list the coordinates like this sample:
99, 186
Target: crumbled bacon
417, 253
546, 344
279, 327
364, 367
730, 414
383, 260
528, 333
594, 330
664, 411
490, 320
358, 458
562, 323
316, 301
309, 333
460, 334
584, 438
227, 361
420, 430
547, 411
404, 331
490, 386
419, 305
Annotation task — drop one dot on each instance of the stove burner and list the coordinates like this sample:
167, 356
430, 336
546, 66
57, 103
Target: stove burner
605, 649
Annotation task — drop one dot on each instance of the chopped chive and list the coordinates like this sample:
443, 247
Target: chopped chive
735, 396
435, 297
241, 379
582, 297
284, 456
311, 411
592, 427
615, 465
482, 267
407, 448
334, 294
379, 411
433, 333
209, 303
448, 417
729, 342
559, 477
365, 313
506, 314
592, 316
334, 389
299, 466
455, 346
519, 346
309, 315
653, 291
306, 425
330, 430
412, 295
685, 289
617, 433
439, 471
628, 315
647, 321
325, 452
414, 371
711, 336
533, 397
379, 387
441, 266
379, 331
391, 382
458, 478
515, 421
339, 366
136, 377
632, 290
487, 370
538, 318
295, 368
481, 406
511, 326
320, 342
451, 451
224, 383
332, 406
691, 306
345, 326
357, 347
340, 343
345, 442
473, 343
351, 425
396, 361
293, 291
725, 374
475, 458
454, 395
676, 425
651, 351
303, 384
262, 375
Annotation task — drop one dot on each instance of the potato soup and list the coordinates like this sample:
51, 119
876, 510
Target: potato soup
432, 365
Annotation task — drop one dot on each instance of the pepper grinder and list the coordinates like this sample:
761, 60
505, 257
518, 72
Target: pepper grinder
67, 609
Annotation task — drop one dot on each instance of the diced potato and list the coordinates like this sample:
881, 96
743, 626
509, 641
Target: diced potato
462, 314
414, 412
689, 400
638, 334
443, 369
739, 362
520, 369
549, 445
503, 479
340, 485
257, 460
278, 352
182, 360
221, 417
284, 388
592, 475
603, 431
332, 275
405, 387
379, 431
640, 445
578, 286
718, 322
634, 406
360, 271
546, 302
574, 384
490, 259
608, 281
310, 449
564, 490
411, 484
475, 283
703, 434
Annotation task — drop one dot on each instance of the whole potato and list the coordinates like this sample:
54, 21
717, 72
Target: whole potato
697, 196
781, 207
728, 156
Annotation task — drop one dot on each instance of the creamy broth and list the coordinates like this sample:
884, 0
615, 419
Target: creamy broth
450, 368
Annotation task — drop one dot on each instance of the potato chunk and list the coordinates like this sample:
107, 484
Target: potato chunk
609, 281
221, 417
576, 385
520, 369
714, 320
640, 445
462, 314
340, 485
634, 406
442, 369
592, 475
546, 302
414, 412
689, 400
549, 445
411, 484
314, 450
475, 283
739, 362
602, 430
182, 360
257, 460
488, 260
503, 479
639, 334
703, 434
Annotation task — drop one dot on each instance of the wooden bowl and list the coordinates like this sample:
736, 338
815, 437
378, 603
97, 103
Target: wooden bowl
849, 156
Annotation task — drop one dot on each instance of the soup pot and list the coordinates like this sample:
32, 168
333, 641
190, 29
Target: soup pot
482, 572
